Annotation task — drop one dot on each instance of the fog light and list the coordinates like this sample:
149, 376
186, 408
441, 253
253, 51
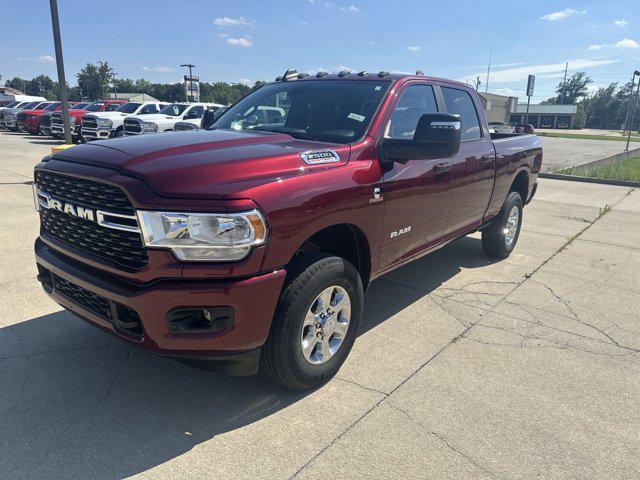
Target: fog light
200, 320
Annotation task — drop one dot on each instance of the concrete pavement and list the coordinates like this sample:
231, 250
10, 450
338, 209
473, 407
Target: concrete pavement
569, 152
464, 368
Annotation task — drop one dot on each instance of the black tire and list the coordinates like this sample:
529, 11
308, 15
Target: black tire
494, 237
118, 133
282, 358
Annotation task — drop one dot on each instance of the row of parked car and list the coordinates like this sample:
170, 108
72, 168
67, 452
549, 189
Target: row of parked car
103, 119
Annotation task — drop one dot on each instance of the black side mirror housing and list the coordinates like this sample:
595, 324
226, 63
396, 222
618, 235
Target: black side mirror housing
437, 135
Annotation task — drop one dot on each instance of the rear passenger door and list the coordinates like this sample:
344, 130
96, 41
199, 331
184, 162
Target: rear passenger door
416, 199
472, 169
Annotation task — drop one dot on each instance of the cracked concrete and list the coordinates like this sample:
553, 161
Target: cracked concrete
464, 367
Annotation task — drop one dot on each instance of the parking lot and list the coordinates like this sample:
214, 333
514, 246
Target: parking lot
570, 152
465, 367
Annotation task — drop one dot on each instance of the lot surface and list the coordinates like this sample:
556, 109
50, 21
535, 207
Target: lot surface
464, 368
569, 152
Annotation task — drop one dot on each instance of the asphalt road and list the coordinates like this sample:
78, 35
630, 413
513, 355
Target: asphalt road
464, 368
569, 152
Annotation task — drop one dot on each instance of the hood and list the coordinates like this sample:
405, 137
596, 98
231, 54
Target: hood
108, 114
204, 163
33, 112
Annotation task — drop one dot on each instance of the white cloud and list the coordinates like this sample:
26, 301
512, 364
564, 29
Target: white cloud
46, 59
240, 42
504, 91
621, 23
596, 46
413, 49
246, 81
562, 14
231, 22
350, 8
626, 43
552, 70
158, 69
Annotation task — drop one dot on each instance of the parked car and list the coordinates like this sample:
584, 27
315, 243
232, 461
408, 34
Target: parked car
165, 120
75, 117
252, 244
44, 123
210, 115
29, 120
9, 116
98, 126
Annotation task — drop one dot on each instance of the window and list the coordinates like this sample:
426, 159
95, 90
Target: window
151, 108
323, 110
459, 102
195, 112
128, 107
416, 100
112, 106
174, 110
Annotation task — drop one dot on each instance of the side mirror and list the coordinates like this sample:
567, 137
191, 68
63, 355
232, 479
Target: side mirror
210, 116
437, 135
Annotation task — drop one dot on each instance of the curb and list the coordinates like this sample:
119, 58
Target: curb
575, 178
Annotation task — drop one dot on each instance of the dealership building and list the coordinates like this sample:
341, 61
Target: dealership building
545, 116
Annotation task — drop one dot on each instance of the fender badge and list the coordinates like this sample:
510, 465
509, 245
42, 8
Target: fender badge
316, 157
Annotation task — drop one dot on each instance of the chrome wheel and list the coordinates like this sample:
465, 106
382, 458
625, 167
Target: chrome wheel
511, 229
325, 325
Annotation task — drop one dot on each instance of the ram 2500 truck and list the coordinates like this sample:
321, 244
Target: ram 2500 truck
9, 116
99, 126
75, 117
29, 120
165, 120
252, 243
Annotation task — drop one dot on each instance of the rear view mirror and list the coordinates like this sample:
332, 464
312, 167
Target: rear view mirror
437, 135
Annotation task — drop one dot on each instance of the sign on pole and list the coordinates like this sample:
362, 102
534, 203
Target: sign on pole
530, 84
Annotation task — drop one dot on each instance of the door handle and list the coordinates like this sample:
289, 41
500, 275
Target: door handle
487, 159
441, 167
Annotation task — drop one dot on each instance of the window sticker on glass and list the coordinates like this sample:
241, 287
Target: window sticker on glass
377, 87
355, 116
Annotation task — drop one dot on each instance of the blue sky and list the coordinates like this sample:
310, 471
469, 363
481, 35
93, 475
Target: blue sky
248, 40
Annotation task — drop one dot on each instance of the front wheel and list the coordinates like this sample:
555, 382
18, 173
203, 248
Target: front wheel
500, 238
316, 322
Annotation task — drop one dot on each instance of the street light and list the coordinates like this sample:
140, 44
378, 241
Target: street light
189, 66
631, 117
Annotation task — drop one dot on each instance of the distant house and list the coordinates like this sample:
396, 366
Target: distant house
132, 97
497, 107
545, 116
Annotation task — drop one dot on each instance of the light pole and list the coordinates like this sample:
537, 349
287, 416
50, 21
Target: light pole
115, 85
634, 100
190, 66
62, 83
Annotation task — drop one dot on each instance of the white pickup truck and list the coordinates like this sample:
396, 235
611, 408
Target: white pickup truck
165, 120
101, 125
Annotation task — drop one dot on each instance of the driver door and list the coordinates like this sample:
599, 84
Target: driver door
416, 198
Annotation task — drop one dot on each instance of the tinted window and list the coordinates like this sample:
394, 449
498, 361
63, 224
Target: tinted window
324, 110
128, 107
174, 110
460, 103
52, 107
78, 106
94, 107
195, 112
416, 100
151, 108
112, 106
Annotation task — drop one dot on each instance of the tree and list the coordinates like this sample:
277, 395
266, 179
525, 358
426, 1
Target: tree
94, 80
571, 91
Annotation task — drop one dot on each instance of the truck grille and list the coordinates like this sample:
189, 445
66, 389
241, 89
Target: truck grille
88, 300
56, 119
1, 115
89, 122
120, 247
21, 117
132, 126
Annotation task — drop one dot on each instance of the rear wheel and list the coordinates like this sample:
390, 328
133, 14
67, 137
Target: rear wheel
316, 322
500, 238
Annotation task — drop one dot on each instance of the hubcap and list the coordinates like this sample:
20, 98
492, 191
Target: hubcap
325, 325
511, 229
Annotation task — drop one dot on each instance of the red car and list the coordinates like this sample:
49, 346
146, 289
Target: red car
75, 117
29, 120
251, 244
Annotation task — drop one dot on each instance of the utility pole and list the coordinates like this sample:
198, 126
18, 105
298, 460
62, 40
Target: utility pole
486, 85
633, 111
115, 85
477, 82
62, 83
190, 66
626, 118
564, 82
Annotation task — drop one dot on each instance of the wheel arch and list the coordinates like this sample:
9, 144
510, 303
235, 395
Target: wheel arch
520, 184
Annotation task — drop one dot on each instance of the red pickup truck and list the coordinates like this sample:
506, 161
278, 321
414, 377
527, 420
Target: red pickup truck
29, 120
252, 243
75, 117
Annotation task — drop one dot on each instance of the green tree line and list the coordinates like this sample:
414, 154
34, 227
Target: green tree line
606, 108
97, 81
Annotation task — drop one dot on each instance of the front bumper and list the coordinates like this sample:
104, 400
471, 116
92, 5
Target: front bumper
59, 130
30, 126
46, 131
234, 350
95, 133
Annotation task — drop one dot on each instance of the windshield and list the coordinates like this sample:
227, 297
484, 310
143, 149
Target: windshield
29, 106
12, 104
78, 106
174, 110
129, 107
94, 107
52, 106
324, 110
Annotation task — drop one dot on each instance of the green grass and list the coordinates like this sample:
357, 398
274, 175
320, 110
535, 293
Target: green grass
627, 169
588, 137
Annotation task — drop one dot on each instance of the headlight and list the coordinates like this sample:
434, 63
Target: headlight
149, 127
203, 237
72, 120
105, 122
